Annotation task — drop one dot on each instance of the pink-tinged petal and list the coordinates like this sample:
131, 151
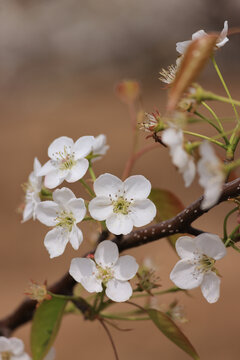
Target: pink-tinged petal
28, 211
182, 46
50, 355
55, 241
48, 167
54, 178
118, 291
106, 254
83, 271
77, 171
100, 208
4, 344
108, 184
211, 245
83, 146
185, 275
75, 237
142, 212
211, 287
46, 212
78, 208
60, 146
63, 196
125, 268
136, 187
185, 247
16, 345
119, 224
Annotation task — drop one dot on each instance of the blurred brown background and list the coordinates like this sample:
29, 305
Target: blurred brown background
59, 63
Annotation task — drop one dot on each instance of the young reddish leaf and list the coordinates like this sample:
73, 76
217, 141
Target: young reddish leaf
172, 331
168, 206
45, 326
194, 60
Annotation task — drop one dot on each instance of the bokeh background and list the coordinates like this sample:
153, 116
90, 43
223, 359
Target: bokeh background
59, 63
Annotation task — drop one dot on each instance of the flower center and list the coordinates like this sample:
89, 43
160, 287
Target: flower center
104, 274
67, 160
121, 206
6, 355
206, 263
66, 220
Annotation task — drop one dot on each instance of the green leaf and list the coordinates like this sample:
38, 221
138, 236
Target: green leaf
45, 326
172, 331
168, 206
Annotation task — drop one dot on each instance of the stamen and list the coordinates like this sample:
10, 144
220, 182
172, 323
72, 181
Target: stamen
66, 220
121, 205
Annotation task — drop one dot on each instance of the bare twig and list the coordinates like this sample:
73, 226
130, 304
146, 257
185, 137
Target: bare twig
110, 338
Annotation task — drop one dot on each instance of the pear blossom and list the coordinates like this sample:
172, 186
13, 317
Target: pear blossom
197, 265
12, 349
32, 189
123, 204
182, 46
99, 146
211, 175
173, 138
67, 160
150, 123
168, 75
108, 270
63, 213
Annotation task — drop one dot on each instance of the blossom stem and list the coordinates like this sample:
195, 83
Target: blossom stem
110, 338
167, 291
131, 318
87, 188
91, 172
65, 297
225, 222
206, 138
234, 231
207, 120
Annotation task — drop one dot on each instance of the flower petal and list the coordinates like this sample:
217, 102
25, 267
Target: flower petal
46, 212
100, 208
119, 224
60, 146
222, 39
4, 344
142, 212
78, 170
28, 211
198, 34
16, 346
36, 165
189, 172
211, 245
63, 195
83, 270
54, 178
211, 287
106, 254
108, 184
125, 268
118, 290
185, 247
48, 167
83, 146
78, 208
75, 237
24, 356
136, 187
185, 275
172, 137
182, 46
55, 241
99, 146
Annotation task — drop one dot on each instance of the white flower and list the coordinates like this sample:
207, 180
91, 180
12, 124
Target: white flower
63, 214
173, 138
99, 146
12, 349
168, 75
67, 160
122, 204
108, 269
211, 175
32, 190
197, 267
181, 47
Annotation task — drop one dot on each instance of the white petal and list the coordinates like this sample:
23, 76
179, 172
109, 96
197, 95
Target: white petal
24, 356
83, 146
125, 268
182, 46
118, 290
211, 287
171, 137
36, 165
106, 254
55, 241
211, 245
50, 355
54, 178
78, 170
4, 344
63, 195
119, 224
99, 146
179, 157
60, 146
185, 247
136, 187
16, 345
189, 172
198, 34
83, 270
100, 208
48, 167
75, 237
107, 184
46, 212
222, 39
28, 211
185, 275
211, 195
77, 207
142, 212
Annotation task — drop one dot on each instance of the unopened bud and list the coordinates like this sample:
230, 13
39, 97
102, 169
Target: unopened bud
128, 91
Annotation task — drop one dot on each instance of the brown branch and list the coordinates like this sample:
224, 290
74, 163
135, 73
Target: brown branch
177, 225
